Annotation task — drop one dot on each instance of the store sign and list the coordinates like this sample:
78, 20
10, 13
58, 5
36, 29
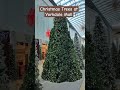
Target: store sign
59, 11
31, 17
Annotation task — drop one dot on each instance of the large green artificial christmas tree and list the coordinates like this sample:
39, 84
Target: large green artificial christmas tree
4, 81
105, 74
61, 64
78, 50
29, 82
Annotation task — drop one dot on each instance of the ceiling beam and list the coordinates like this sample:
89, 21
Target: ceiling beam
78, 23
78, 20
59, 1
91, 5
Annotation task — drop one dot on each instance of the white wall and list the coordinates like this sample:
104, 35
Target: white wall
42, 23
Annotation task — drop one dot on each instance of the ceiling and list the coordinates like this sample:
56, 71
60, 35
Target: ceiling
110, 9
78, 20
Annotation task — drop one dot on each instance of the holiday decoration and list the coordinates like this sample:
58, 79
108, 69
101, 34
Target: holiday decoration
105, 72
61, 64
4, 81
48, 33
31, 17
78, 50
30, 82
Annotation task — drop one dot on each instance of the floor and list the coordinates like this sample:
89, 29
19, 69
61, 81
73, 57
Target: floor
83, 85
40, 66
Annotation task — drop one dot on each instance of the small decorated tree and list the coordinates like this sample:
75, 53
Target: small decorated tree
30, 82
83, 51
40, 53
78, 50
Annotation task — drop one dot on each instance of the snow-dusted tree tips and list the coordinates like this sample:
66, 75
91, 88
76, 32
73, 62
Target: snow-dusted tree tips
78, 50
3, 77
61, 63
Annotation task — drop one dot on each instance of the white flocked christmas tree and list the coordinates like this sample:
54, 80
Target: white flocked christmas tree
3, 77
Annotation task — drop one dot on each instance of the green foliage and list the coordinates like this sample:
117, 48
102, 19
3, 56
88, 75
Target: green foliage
78, 50
115, 59
37, 81
91, 64
13, 68
105, 73
61, 63
30, 77
40, 53
83, 51
4, 81
118, 66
